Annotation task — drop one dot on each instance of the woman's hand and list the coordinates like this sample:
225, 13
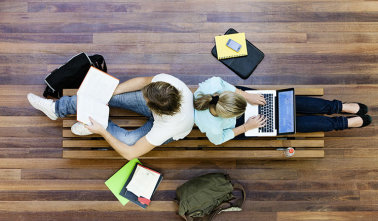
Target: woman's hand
255, 98
255, 122
95, 127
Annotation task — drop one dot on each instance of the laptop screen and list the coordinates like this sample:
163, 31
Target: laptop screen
286, 115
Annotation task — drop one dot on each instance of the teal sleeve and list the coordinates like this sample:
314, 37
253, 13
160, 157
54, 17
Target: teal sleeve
213, 85
217, 139
227, 86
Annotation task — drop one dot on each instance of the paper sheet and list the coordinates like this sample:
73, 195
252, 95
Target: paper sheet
143, 182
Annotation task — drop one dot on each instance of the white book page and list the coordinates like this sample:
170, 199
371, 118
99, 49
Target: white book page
98, 85
89, 107
143, 182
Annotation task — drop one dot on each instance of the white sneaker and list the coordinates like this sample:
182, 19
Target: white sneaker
80, 129
47, 106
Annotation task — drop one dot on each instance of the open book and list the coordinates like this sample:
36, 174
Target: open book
93, 96
141, 185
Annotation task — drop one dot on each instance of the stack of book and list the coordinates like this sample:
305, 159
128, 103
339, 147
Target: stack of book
135, 183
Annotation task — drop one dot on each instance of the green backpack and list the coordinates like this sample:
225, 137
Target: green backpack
208, 195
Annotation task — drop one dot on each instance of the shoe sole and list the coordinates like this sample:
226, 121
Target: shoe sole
74, 132
29, 96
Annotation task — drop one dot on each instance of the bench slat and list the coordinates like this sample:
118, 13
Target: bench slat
197, 133
299, 89
138, 122
127, 122
206, 143
195, 154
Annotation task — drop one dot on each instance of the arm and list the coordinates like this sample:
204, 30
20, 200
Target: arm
252, 122
142, 146
239, 130
252, 98
133, 84
220, 136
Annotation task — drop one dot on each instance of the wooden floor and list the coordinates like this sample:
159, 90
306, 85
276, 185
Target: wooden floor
327, 43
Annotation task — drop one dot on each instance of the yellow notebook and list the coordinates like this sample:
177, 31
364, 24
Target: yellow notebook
225, 52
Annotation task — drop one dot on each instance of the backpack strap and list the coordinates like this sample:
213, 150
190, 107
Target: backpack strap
189, 218
240, 201
234, 204
99, 62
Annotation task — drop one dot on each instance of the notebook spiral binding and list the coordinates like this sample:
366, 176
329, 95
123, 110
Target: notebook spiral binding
231, 56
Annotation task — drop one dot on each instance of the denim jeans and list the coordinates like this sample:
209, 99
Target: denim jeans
133, 101
314, 123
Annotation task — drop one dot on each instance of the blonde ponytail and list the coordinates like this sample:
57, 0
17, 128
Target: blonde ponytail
203, 101
230, 104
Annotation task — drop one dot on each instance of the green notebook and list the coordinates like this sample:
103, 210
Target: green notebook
116, 182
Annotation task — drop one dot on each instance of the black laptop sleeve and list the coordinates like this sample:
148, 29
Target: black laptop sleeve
242, 66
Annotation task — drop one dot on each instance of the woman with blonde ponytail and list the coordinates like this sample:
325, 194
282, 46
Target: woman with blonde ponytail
217, 105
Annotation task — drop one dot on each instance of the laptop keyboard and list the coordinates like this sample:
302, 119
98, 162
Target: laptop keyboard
267, 111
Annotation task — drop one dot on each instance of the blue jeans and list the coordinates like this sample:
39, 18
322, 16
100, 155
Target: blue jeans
133, 101
313, 123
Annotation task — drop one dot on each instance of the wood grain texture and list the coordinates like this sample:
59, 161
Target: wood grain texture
206, 143
195, 133
327, 216
199, 154
300, 90
307, 44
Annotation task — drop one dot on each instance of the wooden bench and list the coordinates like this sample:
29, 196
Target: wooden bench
195, 145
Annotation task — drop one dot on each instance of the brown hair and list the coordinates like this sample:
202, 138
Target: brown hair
162, 98
229, 105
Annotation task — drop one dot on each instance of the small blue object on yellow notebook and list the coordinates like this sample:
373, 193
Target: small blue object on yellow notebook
223, 51
118, 180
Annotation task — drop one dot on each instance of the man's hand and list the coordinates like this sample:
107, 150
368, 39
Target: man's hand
129, 152
95, 127
255, 99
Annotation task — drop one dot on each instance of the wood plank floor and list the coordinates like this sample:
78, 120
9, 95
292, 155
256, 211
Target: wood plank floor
330, 44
